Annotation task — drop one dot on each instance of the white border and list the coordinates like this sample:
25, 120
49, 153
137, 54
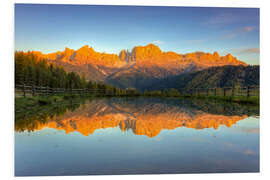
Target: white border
208, 3
7, 50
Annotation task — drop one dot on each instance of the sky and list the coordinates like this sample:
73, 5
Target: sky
51, 28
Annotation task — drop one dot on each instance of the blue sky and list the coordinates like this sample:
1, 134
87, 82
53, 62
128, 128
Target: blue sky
50, 28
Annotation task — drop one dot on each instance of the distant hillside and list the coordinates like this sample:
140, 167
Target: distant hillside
224, 76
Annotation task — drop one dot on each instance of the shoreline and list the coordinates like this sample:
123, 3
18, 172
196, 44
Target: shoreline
39, 101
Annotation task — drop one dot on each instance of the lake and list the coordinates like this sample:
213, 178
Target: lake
137, 136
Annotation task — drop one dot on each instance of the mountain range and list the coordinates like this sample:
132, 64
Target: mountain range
138, 68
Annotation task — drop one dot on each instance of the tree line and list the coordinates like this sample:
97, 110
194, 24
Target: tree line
32, 70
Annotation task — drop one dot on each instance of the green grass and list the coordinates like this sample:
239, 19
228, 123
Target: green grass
31, 102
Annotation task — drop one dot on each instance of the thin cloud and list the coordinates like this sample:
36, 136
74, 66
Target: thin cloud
221, 19
244, 50
250, 51
227, 18
251, 130
236, 148
247, 29
249, 152
158, 42
234, 33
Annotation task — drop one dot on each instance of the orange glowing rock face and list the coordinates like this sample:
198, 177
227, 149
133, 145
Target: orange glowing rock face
146, 56
82, 56
151, 55
141, 122
84, 125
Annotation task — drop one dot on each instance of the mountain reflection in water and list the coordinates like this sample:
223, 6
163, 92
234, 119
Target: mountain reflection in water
142, 116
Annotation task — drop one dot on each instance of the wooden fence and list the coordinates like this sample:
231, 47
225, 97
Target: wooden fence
226, 91
26, 90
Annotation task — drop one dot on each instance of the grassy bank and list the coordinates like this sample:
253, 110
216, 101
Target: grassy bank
31, 102
38, 101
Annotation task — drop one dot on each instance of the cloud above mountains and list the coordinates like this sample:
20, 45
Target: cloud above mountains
237, 32
247, 29
250, 51
244, 51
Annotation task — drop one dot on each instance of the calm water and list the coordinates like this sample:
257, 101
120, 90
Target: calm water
137, 136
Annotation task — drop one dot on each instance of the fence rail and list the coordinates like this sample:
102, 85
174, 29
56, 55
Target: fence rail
225, 91
24, 90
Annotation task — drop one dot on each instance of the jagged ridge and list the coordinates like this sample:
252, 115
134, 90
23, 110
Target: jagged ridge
135, 68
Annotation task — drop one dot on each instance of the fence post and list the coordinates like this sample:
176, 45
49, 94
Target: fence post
215, 91
23, 90
33, 90
224, 91
233, 91
248, 91
47, 90
207, 92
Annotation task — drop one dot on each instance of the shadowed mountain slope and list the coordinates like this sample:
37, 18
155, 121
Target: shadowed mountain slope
225, 76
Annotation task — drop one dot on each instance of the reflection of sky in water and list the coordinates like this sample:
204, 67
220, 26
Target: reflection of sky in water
112, 151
